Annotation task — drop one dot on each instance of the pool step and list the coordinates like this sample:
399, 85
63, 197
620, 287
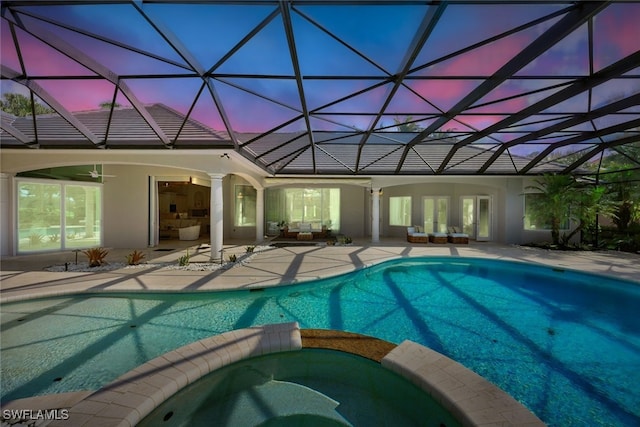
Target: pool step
274, 403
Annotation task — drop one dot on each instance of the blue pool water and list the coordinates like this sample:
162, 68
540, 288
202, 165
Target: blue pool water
565, 344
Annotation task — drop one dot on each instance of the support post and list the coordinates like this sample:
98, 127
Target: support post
216, 218
375, 215
259, 215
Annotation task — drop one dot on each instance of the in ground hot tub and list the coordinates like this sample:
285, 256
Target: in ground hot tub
317, 387
276, 375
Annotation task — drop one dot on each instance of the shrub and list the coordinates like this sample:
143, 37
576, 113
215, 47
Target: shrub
249, 249
54, 238
233, 258
184, 259
135, 257
36, 239
96, 256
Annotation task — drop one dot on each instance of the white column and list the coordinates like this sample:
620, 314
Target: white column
216, 217
259, 215
375, 215
6, 227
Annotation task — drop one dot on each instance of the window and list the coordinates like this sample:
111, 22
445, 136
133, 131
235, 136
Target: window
82, 209
245, 197
535, 215
400, 210
55, 216
317, 206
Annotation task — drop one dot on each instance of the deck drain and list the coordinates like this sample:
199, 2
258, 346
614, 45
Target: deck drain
132, 326
167, 416
57, 379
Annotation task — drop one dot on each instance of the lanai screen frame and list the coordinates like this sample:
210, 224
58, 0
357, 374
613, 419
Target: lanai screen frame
530, 93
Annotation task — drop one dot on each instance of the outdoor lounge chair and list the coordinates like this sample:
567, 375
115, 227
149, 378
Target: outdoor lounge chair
414, 236
456, 235
438, 238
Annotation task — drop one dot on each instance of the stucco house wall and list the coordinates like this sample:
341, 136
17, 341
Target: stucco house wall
127, 199
504, 203
127, 195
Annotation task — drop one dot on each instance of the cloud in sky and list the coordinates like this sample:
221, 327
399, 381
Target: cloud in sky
79, 95
443, 93
482, 61
568, 57
464, 25
616, 33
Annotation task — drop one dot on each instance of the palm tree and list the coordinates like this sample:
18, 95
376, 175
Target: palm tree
590, 202
106, 105
564, 199
621, 173
558, 194
406, 125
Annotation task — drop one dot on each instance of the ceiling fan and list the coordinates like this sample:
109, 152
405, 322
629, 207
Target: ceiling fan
95, 174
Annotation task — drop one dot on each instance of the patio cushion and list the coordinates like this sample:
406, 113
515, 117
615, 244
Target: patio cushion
304, 227
438, 234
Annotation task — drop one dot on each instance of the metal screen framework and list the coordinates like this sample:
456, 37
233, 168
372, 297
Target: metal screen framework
331, 87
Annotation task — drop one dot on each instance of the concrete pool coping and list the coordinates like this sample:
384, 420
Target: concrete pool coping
471, 399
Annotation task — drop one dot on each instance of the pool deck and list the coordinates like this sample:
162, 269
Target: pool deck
24, 277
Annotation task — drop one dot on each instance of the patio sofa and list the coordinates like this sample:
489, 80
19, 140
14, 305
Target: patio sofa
304, 231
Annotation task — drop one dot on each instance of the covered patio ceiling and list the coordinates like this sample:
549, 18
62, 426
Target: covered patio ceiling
331, 87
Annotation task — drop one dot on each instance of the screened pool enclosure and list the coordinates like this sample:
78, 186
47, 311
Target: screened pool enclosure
376, 90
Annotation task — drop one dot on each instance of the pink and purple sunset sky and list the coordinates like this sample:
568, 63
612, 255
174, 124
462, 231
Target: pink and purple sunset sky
364, 43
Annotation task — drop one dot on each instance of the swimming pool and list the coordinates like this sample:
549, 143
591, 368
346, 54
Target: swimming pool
567, 345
